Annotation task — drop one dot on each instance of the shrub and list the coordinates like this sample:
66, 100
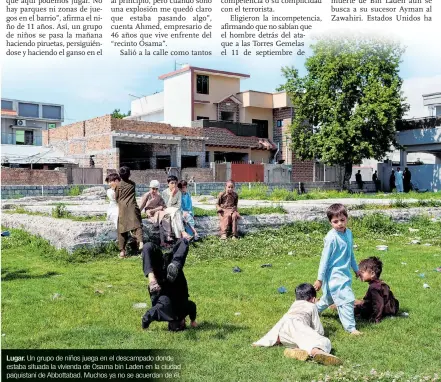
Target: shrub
60, 211
74, 191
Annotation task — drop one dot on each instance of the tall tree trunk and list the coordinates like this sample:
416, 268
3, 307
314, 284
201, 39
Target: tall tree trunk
347, 176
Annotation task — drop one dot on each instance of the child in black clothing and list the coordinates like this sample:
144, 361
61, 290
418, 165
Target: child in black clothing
379, 300
168, 287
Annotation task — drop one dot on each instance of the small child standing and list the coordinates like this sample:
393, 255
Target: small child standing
226, 207
129, 214
112, 180
187, 210
379, 300
301, 329
334, 273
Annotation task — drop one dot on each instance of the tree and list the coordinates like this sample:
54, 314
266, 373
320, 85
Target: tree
347, 104
117, 114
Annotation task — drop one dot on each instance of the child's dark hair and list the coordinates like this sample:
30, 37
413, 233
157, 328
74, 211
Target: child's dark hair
373, 264
172, 178
336, 209
305, 292
231, 181
112, 177
182, 183
124, 172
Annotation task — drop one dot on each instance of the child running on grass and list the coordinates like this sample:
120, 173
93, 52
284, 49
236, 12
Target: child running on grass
129, 214
226, 207
379, 300
300, 329
334, 274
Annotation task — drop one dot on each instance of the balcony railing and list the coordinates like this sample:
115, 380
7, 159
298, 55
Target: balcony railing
418, 123
11, 139
237, 128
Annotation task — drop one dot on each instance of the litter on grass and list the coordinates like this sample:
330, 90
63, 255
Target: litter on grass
404, 314
291, 253
56, 296
282, 290
426, 286
413, 230
140, 305
422, 275
403, 263
266, 266
415, 242
237, 314
237, 270
6, 233
382, 247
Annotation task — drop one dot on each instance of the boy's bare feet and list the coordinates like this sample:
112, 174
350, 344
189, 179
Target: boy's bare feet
122, 255
356, 333
296, 353
327, 359
223, 237
194, 324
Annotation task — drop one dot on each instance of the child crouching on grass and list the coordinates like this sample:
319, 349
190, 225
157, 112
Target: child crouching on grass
379, 300
226, 207
301, 330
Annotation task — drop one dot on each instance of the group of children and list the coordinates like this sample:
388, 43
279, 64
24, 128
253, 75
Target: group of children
300, 328
171, 210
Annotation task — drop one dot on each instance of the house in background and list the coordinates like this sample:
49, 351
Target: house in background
24, 121
212, 99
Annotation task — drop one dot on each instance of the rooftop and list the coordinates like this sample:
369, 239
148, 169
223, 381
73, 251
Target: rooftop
203, 71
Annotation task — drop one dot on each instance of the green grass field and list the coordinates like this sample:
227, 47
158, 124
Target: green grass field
220, 349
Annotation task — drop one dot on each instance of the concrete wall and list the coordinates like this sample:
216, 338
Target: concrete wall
147, 105
178, 99
26, 176
427, 176
16, 191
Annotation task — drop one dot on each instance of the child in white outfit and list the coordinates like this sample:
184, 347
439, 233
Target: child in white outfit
301, 330
112, 210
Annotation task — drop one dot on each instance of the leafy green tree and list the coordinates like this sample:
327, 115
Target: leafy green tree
117, 114
347, 104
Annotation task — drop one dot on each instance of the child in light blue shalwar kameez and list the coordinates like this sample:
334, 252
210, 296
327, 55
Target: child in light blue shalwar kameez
334, 274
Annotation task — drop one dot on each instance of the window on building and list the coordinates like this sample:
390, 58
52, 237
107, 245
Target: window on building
28, 110
279, 122
227, 116
202, 84
199, 117
19, 137
7, 105
51, 112
262, 127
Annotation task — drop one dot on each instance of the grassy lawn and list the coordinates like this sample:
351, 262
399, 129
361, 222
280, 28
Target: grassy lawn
262, 192
220, 349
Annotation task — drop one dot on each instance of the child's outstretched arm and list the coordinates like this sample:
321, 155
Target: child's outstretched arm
316, 323
323, 267
354, 264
